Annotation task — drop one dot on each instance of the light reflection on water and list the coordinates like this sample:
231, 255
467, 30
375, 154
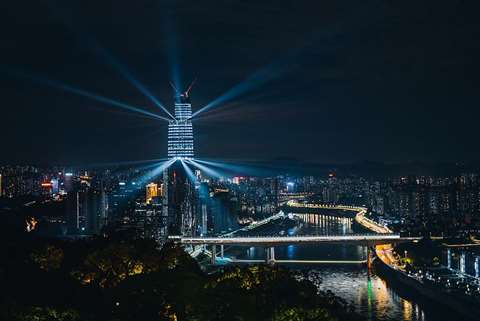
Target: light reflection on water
371, 295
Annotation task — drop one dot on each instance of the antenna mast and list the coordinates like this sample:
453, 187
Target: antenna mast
190, 87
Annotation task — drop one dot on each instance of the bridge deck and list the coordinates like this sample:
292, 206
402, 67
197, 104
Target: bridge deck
370, 239
339, 262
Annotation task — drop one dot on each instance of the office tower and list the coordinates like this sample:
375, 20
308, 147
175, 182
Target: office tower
86, 211
151, 222
151, 192
165, 197
179, 192
121, 204
55, 186
180, 130
179, 201
68, 182
203, 198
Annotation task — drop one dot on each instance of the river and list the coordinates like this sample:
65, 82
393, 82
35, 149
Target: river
373, 296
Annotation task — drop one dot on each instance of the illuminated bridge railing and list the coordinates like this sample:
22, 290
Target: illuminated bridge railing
352, 238
353, 235
293, 203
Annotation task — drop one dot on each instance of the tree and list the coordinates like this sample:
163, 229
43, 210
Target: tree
48, 258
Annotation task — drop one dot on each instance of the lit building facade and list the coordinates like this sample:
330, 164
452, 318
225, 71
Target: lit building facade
151, 192
150, 222
178, 192
180, 130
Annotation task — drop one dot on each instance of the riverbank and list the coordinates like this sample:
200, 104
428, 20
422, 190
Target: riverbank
468, 309
374, 296
388, 267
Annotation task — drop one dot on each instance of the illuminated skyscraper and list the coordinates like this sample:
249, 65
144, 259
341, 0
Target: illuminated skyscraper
180, 130
151, 192
178, 192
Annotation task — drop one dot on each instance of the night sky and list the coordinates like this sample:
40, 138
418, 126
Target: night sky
323, 81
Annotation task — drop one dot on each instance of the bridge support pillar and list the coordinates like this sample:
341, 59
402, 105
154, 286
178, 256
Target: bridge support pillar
270, 255
214, 254
222, 250
369, 258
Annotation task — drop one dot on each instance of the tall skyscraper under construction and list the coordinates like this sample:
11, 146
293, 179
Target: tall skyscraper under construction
180, 130
179, 193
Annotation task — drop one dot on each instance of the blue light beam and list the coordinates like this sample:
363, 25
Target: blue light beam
123, 70
171, 47
84, 93
210, 172
233, 168
143, 168
126, 163
189, 172
156, 171
260, 77
91, 42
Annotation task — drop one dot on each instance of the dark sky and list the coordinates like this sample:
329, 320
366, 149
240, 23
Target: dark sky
337, 81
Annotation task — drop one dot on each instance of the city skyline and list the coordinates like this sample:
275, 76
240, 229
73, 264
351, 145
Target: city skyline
297, 82
239, 160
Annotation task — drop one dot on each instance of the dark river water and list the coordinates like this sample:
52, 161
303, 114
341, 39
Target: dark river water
373, 296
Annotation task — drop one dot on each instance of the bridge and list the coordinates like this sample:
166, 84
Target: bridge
359, 239
256, 224
359, 217
269, 242
285, 197
382, 235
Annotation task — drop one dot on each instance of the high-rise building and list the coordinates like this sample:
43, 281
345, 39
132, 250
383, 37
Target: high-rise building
68, 182
179, 201
86, 210
178, 192
54, 183
180, 130
203, 198
151, 192
151, 222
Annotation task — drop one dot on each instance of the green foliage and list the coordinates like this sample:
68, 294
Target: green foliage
45, 314
109, 279
110, 264
48, 257
299, 314
424, 253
